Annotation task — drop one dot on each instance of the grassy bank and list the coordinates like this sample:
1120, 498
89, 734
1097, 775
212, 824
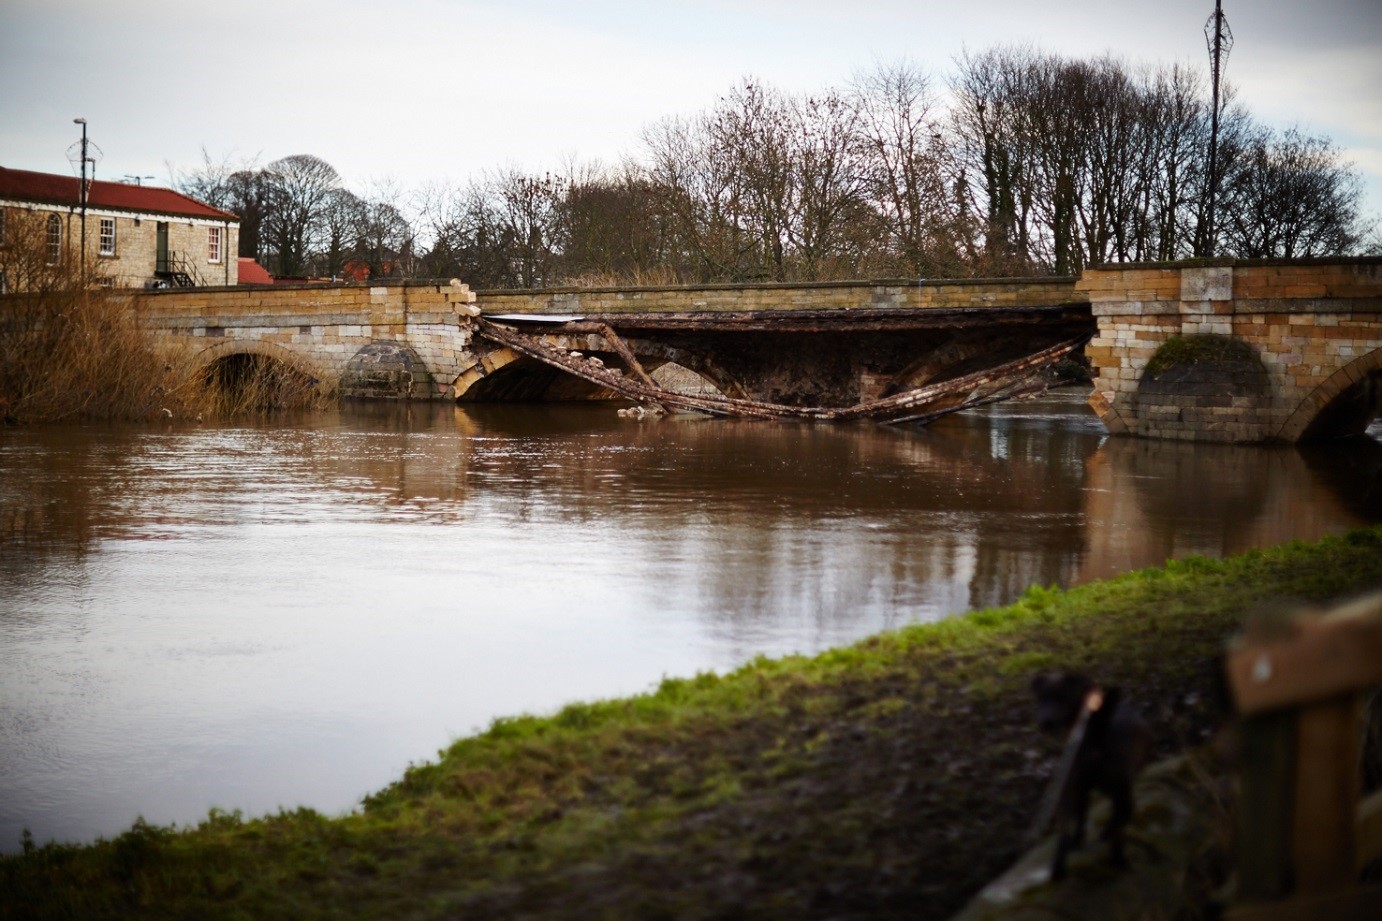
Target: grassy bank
887, 779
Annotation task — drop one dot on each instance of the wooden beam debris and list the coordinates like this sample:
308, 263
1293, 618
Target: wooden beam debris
923, 404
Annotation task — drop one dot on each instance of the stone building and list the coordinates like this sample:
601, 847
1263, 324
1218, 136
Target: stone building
135, 236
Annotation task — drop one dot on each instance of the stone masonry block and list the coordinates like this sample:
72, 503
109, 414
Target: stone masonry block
1207, 284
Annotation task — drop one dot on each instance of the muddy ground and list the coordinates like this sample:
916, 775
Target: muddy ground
906, 794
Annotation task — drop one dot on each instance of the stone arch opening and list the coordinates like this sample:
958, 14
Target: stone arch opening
229, 348
686, 369
256, 381
505, 376
680, 379
1345, 404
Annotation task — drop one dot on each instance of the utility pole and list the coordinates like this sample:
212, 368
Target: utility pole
1220, 40
82, 122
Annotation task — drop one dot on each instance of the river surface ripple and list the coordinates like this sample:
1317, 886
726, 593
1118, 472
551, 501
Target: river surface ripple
262, 616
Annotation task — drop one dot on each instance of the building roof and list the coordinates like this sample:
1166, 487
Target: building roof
54, 189
252, 273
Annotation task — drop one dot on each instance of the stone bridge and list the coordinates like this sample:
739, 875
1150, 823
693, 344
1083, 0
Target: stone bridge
1237, 351
830, 344
1231, 351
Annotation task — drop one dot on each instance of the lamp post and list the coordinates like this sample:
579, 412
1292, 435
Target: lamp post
82, 122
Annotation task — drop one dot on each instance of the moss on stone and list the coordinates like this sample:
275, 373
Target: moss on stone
1200, 348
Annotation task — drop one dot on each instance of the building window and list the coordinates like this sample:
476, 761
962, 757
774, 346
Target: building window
107, 236
105, 281
3, 213
213, 244
54, 239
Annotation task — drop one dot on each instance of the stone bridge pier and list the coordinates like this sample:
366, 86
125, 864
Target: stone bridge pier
1237, 351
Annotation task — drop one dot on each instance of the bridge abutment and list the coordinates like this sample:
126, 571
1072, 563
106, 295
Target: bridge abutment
1313, 326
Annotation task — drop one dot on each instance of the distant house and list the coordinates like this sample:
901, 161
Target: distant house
358, 270
252, 273
136, 236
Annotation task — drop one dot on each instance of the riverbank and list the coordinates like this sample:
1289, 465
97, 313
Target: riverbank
892, 778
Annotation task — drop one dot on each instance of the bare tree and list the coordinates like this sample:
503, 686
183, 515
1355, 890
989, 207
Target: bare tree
1290, 196
611, 227
383, 235
341, 217
990, 125
910, 172
297, 191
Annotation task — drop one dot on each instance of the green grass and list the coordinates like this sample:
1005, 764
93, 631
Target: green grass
885, 779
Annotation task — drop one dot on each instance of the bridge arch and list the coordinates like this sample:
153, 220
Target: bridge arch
490, 362
202, 361
1344, 404
655, 354
504, 375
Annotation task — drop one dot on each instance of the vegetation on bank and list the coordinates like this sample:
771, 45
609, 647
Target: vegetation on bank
73, 350
891, 778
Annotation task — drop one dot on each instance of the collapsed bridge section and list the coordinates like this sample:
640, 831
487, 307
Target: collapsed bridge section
886, 364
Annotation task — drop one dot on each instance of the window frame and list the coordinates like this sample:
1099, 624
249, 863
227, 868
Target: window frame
215, 244
52, 240
101, 244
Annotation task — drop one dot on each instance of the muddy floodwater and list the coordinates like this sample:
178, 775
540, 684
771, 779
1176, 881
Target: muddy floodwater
255, 616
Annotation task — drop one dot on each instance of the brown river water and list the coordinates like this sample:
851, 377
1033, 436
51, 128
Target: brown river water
255, 616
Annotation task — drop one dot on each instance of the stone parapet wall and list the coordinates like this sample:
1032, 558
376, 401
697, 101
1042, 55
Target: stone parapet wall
1316, 326
888, 294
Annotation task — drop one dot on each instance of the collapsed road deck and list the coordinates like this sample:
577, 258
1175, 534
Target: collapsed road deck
979, 374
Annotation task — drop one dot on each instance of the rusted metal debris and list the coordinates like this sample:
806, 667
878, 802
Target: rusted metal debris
1009, 380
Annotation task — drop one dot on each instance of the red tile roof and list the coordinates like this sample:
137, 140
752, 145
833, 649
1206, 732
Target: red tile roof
52, 189
252, 273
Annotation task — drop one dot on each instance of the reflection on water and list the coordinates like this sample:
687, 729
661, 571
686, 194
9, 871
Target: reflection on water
262, 616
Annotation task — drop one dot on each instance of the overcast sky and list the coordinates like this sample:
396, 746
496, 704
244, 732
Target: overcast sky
421, 90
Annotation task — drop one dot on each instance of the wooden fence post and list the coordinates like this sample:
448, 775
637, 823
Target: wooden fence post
1302, 832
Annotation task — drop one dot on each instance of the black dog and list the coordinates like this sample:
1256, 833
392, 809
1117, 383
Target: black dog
1113, 744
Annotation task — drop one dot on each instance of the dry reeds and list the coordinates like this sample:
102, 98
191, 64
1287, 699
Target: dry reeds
256, 384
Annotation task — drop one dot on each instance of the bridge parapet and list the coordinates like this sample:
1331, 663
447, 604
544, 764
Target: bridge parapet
902, 294
1315, 326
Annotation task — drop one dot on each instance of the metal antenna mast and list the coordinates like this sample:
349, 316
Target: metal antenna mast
83, 193
1219, 37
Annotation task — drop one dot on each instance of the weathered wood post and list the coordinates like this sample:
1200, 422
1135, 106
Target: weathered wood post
1303, 834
